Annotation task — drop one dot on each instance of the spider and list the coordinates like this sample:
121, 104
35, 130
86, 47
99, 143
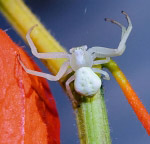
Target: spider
81, 61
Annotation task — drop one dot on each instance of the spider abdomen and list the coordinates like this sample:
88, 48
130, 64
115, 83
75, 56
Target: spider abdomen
86, 82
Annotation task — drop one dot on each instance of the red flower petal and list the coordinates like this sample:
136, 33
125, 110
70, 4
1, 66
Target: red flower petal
27, 109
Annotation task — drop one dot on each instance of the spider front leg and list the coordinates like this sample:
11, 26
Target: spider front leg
48, 55
107, 52
117, 23
59, 75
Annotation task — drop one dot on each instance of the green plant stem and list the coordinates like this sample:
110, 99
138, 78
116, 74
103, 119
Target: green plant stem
92, 120
91, 116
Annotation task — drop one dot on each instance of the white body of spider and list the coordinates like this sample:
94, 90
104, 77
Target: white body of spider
86, 81
81, 61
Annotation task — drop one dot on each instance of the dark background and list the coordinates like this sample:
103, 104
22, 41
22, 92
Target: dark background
75, 23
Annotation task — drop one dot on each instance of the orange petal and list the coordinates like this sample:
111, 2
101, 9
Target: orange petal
27, 109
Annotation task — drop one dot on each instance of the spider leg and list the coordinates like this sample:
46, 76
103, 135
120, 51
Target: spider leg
108, 52
43, 55
96, 62
117, 23
61, 72
68, 72
106, 75
121, 26
69, 89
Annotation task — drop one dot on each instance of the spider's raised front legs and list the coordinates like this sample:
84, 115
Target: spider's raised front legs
49, 55
107, 52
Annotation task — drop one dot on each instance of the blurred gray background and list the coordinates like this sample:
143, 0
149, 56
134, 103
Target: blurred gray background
81, 22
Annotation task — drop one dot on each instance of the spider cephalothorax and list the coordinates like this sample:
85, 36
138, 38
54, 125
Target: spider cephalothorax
80, 57
81, 60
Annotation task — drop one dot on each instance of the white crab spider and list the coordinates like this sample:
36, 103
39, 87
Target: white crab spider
81, 60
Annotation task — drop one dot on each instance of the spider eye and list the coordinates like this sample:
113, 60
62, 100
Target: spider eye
82, 48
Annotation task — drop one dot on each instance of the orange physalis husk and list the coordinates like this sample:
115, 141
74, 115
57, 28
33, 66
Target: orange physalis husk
27, 108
